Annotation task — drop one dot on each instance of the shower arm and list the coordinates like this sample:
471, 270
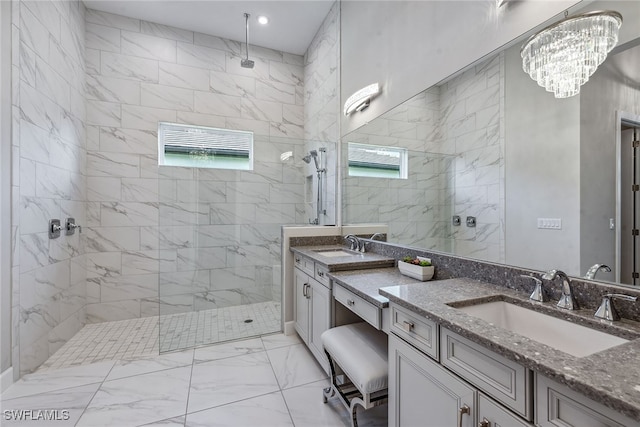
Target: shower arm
246, 34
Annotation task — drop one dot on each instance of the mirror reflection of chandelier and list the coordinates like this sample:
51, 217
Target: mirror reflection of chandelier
563, 56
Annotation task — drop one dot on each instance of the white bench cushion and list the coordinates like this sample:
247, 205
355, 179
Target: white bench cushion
361, 351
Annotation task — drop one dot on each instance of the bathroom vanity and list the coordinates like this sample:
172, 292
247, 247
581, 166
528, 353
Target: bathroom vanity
313, 301
450, 364
479, 374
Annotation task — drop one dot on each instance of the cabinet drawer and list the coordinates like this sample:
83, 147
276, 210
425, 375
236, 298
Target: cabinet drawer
490, 414
556, 405
303, 263
497, 376
418, 331
367, 311
322, 275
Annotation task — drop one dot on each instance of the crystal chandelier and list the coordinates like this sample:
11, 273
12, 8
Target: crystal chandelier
563, 56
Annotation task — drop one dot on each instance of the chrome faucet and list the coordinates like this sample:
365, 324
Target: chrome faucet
567, 301
593, 270
355, 242
607, 310
380, 235
537, 294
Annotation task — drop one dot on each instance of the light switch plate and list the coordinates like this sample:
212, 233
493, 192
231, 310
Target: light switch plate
550, 223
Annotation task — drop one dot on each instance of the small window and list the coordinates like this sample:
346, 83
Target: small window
204, 147
377, 161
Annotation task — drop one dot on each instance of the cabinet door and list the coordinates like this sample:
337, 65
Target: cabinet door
490, 414
557, 405
301, 301
422, 393
320, 319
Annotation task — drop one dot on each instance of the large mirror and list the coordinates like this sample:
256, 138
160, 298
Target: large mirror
499, 170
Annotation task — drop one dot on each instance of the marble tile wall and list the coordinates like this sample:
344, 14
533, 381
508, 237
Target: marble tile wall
418, 208
322, 111
49, 181
210, 237
472, 129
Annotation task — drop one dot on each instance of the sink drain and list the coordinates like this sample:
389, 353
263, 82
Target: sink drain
248, 321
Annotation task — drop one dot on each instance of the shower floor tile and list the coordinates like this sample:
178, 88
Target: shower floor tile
147, 336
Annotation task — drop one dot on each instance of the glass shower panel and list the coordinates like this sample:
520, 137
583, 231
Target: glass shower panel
220, 245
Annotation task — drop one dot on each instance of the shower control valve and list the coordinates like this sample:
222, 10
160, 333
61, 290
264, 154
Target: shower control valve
54, 228
71, 226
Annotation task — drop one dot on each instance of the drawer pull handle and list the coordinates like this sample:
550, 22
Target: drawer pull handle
484, 423
351, 302
464, 410
407, 326
304, 290
320, 273
308, 289
297, 259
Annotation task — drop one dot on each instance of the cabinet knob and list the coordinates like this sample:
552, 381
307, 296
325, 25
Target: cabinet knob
407, 326
484, 423
297, 259
350, 302
320, 273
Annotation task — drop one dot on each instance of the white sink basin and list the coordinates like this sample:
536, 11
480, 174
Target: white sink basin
560, 334
336, 253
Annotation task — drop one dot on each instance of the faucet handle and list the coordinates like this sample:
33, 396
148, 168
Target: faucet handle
537, 294
607, 310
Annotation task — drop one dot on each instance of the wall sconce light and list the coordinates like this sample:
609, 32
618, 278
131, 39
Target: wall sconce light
360, 100
563, 56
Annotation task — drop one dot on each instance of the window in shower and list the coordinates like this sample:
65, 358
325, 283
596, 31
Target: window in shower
377, 161
204, 147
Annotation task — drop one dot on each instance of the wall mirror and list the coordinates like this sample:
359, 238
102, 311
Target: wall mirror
543, 182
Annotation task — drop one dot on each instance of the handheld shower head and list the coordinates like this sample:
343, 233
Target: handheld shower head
314, 154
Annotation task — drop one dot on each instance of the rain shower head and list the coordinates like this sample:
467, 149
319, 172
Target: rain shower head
246, 62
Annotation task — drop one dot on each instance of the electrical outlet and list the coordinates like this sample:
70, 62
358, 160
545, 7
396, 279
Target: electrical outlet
550, 223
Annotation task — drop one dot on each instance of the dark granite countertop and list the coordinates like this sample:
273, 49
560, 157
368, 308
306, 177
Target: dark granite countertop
366, 283
356, 261
611, 377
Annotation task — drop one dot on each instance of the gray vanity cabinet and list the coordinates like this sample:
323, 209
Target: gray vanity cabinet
312, 300
423, 393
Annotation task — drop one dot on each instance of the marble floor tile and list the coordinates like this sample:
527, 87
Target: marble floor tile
269, 410
229, 349
294, 365
43, 382
229, 380
171, 422
72, 400
145, 365
307, 409
280, 340
138, 400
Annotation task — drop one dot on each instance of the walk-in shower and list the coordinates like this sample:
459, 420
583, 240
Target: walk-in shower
319, 162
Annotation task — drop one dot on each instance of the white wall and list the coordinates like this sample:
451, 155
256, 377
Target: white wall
542, 172
410, 46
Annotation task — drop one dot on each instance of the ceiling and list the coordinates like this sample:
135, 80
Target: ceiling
291, 27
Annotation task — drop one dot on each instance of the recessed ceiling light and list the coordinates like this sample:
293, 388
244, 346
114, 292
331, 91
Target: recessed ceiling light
263, 20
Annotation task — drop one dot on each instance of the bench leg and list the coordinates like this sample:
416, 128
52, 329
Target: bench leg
327, 393
354, 407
